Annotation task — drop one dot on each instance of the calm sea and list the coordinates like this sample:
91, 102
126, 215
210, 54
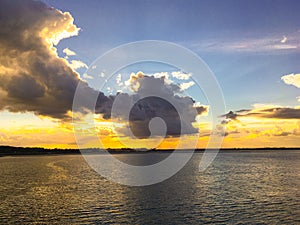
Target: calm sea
259, 187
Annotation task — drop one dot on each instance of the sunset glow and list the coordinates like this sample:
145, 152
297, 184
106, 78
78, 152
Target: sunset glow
38, 84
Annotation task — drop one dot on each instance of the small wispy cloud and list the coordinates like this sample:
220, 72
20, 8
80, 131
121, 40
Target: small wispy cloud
86, 76
69, 52
119, 80
181, 75
161, 75
185, 86
109, 90
283, 40
283, 47
275, 44
102, 74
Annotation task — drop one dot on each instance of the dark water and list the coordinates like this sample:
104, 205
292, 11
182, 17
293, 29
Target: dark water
238, 188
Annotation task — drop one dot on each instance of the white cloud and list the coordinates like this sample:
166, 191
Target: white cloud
164, 75
68, 52
185, 86
298, 98
76, 64
284, 39
258, 44
161, 74
110, 90
292, 79
181, 75
86, 76
283, 46
119, 80
132, 81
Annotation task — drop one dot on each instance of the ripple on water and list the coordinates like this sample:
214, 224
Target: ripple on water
238, 188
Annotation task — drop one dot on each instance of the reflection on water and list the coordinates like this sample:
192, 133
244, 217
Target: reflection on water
254, 187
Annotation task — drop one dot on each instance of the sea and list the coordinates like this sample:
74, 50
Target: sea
239, 187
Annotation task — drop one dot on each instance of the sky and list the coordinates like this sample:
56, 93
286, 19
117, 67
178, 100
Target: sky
252, 47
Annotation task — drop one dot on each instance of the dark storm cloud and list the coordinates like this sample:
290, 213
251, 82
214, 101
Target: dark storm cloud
33, 77
25, 88
178, 112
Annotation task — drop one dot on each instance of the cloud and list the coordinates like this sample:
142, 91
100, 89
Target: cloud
292, 79
69, 52
283, 40
86, 76
102, 74
265, 111
164, 75
274, 113
278, 113
175, 74
230, 115
298, 98
161, 75
33, 77
76, 64
201, 109
185, 86
283, 47
181, 75
147, 108
264, 122
257, 44
119, 80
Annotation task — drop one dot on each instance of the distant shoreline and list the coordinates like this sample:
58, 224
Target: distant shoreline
19, 151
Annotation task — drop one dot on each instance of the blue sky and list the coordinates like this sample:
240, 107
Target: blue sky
249, 45
252, 47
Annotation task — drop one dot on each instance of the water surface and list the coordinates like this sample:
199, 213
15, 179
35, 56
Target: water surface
259, 187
